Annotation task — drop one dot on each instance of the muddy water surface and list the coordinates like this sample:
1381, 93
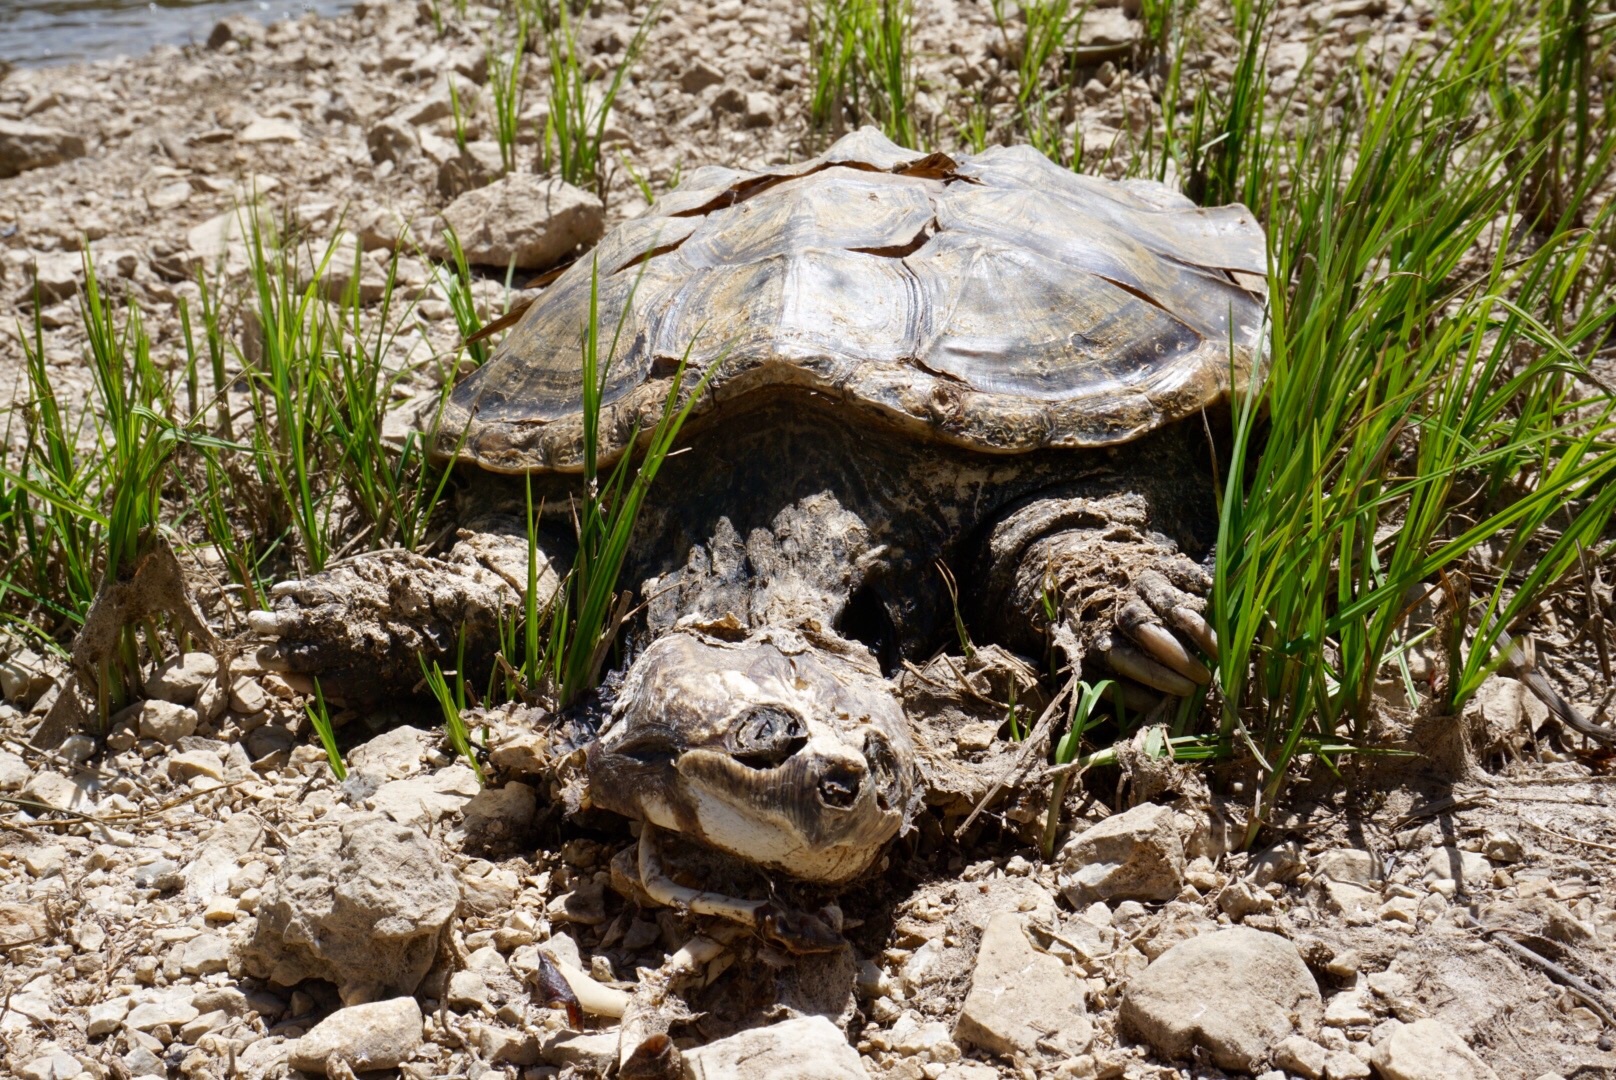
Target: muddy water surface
34, 32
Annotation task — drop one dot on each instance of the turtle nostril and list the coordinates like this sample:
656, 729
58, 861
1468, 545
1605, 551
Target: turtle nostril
764, 736
839, 786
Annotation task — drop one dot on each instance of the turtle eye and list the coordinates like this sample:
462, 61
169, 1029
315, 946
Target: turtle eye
764, 736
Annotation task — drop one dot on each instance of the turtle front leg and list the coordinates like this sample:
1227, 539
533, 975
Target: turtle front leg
1123, 590
363, 626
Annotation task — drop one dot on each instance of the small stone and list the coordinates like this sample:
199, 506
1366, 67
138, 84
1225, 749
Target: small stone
174, 1012
30, 146
1134, 855
205, 954
107, 1017
809, 1046
392, 755
164, 721
266, 129
378, 1035
221, 909
1280, 863
1304, 1057
191, 763
1351, 866
760, 110
467, 991
46, 861
59, 1065
524, 221
501, 1045
699, 76
500, 813
142, 1062
1021, 999
14, 772
58, 792
205, 1024
592, 1053
1347, 1009
1237, 992
247, 697
1427, 1050
23, 674
181, 678
1341, 1065
1468, 870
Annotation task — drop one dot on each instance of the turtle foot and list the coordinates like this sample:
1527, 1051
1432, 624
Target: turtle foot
363, 626
1161, 635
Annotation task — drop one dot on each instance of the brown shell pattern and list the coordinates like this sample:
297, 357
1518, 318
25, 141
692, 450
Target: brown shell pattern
999, 302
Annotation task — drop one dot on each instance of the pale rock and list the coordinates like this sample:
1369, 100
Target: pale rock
1499, 846
699, 76
467, 990
521, 220
1237, 992
181, 678
808, 1046
31, 146
1304, 1057
221, 909
1134, 855
169, 196
58, 792
205, 954
1280, 863
164, 721
173, 1011
1106, 31
142, 1062
393, 755
1021, 997
1468, 870
24, 675
760, 110
1347, 1009
58, 1065
56, 275
191, 763
209, 872
266, 129
1341, 1065
1351, 866
425, 800
45, 862
247, 697
1508, 714
14, 772
22, 924
500, 813
206, 1024
393, 140
361, 902
378, 1035
107, 1016
501, 1045
590, 1052
1427, 1050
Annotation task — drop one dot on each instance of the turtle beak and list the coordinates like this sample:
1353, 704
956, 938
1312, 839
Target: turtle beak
774, 749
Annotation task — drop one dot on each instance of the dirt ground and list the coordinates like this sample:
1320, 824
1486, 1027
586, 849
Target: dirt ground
136, 886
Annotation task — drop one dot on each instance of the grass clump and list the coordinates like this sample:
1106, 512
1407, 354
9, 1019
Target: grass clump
580, 104
861, 65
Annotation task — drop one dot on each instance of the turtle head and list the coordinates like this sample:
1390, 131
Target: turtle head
784, 749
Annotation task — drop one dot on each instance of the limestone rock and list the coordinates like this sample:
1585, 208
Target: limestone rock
1021, 997
1427, 1050
164, 721
1238, 993
361, 903
265, 129
1134, 855
392, 755
380, 1035
181, 678
30, 146
527, 221
809, 1046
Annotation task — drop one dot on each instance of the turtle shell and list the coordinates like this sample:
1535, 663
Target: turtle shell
998, 302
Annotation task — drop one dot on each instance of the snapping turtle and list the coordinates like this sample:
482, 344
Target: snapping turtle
911, 361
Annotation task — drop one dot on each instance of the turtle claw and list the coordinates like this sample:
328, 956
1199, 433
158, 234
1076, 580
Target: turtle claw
1164, 628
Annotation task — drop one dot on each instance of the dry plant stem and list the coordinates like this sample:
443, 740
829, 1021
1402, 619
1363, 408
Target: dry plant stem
1577, 985
1018, 767
1522, 666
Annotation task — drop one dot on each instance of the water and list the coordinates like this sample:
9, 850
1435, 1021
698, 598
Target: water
34, 32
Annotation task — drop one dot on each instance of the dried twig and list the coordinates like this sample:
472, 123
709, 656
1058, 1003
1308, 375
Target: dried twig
1579, 987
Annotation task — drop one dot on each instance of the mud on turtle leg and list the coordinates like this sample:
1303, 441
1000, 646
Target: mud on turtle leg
363, 624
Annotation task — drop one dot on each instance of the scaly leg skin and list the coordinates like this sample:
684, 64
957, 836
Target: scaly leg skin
362, 625
1125, 592
794, 931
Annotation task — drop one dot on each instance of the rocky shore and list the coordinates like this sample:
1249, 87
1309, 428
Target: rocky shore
208, 900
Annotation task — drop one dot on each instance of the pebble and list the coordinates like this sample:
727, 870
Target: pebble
181, 678
1022, 1002
806, 1047
1134, 855
1427, 1050
378, 1035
